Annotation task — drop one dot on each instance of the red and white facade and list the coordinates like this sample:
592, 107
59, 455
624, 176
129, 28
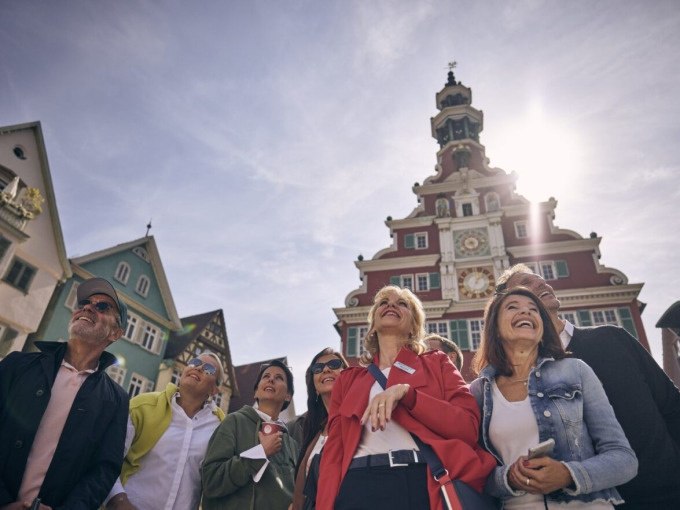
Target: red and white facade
469, 226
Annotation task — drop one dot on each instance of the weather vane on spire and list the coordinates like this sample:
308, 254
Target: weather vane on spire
148, 227
451, 78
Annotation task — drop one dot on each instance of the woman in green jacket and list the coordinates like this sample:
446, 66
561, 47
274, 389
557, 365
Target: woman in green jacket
250, 461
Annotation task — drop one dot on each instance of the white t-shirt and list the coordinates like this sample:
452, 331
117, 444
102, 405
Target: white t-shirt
394, 437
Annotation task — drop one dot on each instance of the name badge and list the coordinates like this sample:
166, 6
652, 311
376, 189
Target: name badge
405, 368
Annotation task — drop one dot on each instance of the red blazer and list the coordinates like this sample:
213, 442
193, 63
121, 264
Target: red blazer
438, 408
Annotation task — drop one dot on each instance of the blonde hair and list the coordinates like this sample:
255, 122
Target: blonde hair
220, 368
417, 333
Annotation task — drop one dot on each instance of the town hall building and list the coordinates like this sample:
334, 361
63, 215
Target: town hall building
470, 225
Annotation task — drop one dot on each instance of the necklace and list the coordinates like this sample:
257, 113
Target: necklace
525, 381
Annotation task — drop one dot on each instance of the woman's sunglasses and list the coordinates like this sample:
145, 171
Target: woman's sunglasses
207, 368
100, 306
333, 364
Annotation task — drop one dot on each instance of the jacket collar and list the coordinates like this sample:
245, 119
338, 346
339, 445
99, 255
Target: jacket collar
489, 372
58, 349
364, 381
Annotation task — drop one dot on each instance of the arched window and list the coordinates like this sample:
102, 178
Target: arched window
142, 287
492, 201
122, 273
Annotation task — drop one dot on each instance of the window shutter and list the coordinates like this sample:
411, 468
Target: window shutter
561, 268
459, 334
72, 297
409, 241
435, 281
584, 318
627, 321
351, 349
395, 280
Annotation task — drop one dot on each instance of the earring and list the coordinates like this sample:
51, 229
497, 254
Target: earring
317, 397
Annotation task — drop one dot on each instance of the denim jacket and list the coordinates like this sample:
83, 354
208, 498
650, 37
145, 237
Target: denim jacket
571, 407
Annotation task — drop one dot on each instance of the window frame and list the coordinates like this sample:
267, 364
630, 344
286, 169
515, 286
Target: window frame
23, 267
418, 236
523, 225
123, 267
145, 281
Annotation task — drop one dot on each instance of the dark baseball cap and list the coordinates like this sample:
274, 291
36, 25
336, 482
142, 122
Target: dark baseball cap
101, 286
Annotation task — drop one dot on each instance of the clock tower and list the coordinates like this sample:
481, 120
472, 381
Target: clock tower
469, 225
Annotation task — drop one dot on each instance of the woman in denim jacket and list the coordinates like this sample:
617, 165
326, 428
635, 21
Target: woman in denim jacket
529, 392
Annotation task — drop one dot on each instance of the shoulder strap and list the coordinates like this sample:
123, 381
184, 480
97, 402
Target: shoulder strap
428, 453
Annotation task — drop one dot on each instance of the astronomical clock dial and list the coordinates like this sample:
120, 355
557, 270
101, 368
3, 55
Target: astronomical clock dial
476, 282
471, 243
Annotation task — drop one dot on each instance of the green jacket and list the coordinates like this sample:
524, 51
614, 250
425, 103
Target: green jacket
228, 479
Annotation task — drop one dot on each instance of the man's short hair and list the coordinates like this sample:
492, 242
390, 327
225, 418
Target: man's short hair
502, 280
448, 346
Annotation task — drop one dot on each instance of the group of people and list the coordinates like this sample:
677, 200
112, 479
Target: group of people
558, 417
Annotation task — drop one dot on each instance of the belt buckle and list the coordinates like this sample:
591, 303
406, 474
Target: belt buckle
399, 464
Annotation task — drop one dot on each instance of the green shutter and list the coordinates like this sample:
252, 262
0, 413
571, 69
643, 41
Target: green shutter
584, 318
627, 321
409, 241
562, 269
459, 334
434, 281
395, 280
351, 348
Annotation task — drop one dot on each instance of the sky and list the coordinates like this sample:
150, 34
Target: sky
269, 140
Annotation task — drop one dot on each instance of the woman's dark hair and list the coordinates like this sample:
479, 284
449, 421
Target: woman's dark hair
317, 415
286, 370
491, 350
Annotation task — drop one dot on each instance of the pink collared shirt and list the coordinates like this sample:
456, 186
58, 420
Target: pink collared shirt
66, 386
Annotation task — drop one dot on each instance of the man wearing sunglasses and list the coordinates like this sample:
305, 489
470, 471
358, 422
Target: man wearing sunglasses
167, 437
645, 401
62, 419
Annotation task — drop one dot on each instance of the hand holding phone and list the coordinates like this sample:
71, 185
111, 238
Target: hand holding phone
543, 449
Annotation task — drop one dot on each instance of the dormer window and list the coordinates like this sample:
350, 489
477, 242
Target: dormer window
141, 253
143, 284
122, 272
467, 209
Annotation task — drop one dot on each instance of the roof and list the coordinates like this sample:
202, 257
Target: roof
671, 317
192, 327
150, 244
245, 377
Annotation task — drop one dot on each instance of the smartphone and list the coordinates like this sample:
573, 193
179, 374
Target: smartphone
543, 449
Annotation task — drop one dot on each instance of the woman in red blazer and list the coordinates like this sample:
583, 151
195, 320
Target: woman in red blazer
369, 461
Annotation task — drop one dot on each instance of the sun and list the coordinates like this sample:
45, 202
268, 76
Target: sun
544, 152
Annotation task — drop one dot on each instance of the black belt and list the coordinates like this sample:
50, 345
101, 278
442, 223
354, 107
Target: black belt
394, 458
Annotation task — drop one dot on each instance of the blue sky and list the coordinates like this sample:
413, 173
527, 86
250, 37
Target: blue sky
268, 140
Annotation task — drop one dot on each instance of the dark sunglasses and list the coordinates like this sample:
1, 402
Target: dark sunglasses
207, 368
333, 364
100, 306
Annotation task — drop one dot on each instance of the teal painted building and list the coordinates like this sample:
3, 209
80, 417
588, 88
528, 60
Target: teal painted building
136, 272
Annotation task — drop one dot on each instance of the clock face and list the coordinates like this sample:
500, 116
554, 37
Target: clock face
476, 282
471, 242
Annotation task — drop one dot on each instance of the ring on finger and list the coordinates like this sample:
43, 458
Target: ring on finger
528, 482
